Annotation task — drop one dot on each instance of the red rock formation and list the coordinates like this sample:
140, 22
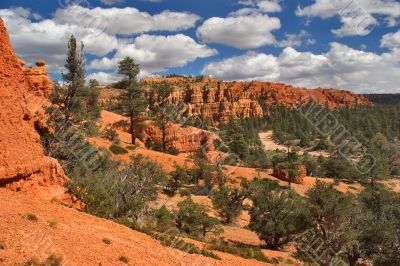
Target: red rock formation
22, 161
38, 80
185, 139
299, 179
215, 100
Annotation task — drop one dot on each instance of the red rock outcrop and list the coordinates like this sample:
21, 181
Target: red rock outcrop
38, 80
215, 101
22, 160
299, 179
185, 139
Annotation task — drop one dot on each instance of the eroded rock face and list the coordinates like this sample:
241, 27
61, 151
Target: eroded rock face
39, 83
214, 100
185, 139
22, 160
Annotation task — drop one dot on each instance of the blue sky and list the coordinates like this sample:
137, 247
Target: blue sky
349, 44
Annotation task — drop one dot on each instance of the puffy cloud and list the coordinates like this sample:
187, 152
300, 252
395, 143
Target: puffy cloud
98, 28
267, 6
293, 40
357, 17
246, 67
391, 40
104, 78
156, 53
47, 39
340, 67
126, 20
243, 32
112, 2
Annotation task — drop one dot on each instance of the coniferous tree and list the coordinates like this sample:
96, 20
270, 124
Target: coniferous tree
276, 215
132, 99
68, 97
228, 202
162, 110
92, 100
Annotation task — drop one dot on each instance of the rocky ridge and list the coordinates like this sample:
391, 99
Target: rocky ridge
215, 101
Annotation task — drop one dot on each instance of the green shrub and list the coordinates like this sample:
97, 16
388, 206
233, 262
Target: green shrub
52, 260
173, 151
192, 219
228, 202
133, 225
247, 252
132, 147
91, 129
177, 243
111, 134
53, 223
165, 219
106, 241
184, 192
116, 149
31, 217
31, 262
123, 259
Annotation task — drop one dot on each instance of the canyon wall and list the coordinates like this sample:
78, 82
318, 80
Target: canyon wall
22, 160
216, 101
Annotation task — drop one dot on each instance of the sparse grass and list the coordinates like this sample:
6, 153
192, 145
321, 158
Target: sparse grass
2, 245
123, 259
184, 192
52, 260
55, 200
52, 223
116, 149
31, 217
106, 241
31, 262
177, 243
289, 262
243, 251
131, 147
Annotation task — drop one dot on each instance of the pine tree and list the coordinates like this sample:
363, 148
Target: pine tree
68, 97
92, 100
132, 100
162, 110
228, 202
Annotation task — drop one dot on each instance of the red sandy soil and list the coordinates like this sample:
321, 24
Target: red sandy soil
77, 237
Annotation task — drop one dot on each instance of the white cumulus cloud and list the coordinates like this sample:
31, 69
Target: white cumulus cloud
357, 17
156, 53
126, 20
243, 32
47, 39
391, 40
341, 67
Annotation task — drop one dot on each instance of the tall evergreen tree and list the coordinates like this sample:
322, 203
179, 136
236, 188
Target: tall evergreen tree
132, 100
68, 97
162, 110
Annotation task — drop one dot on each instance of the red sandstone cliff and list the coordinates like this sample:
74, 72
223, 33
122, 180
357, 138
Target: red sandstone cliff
216, 100
22, 161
